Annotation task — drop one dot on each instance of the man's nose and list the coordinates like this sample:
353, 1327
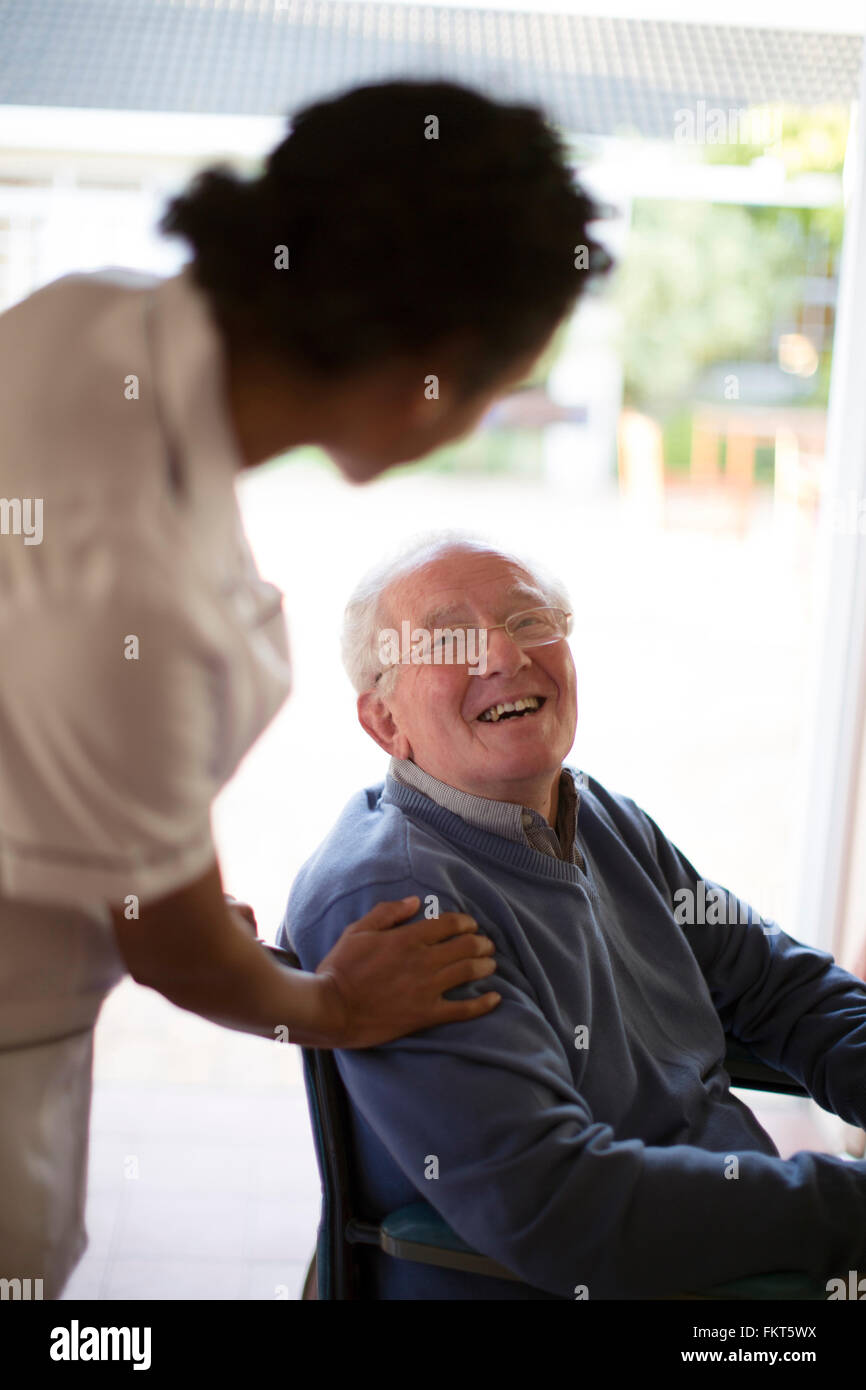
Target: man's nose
504, 656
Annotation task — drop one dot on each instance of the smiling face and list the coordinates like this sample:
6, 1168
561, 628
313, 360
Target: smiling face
439, 715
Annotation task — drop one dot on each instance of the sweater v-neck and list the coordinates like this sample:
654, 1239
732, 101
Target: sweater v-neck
519, 857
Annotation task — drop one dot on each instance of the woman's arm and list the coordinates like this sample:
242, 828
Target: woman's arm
373, 986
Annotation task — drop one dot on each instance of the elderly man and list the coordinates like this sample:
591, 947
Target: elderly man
584, 1134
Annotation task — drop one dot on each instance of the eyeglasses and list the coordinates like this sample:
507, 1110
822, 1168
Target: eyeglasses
536, 627
533, 627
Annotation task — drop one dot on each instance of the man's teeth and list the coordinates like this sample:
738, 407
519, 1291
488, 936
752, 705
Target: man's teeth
508, 707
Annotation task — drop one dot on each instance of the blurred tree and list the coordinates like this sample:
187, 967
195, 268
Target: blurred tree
701, 283
807, 139
711, 282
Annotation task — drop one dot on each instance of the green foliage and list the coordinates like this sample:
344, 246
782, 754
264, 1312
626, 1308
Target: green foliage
710, 282
677, 441
701, 283
705, 283
812, 139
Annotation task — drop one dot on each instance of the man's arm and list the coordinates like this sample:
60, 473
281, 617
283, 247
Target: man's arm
528, 1176
790, 1003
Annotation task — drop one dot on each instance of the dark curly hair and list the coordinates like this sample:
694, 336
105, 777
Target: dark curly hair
397, 242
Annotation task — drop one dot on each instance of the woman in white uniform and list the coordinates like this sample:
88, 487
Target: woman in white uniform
140, 652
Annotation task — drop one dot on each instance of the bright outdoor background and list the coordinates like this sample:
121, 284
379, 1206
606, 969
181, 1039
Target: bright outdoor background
667, 462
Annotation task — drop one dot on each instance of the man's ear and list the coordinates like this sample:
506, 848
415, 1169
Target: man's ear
375, 717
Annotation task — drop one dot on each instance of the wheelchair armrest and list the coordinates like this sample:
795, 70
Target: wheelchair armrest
747, 1070
417, 1232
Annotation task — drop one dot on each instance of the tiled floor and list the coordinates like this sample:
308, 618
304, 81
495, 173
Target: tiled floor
197, 1189
197, 1194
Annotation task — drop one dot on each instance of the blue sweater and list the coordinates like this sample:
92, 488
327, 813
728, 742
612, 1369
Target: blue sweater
582, 1133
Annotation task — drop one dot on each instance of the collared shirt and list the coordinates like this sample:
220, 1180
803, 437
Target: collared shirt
506, 818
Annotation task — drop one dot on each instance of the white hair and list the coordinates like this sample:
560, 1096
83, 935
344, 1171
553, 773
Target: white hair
364, 615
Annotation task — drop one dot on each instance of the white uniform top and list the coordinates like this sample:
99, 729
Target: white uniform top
141, 655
